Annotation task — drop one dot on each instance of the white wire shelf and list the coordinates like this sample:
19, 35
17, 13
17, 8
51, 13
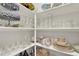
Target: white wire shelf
56, 28
15, 52
52, 48
16, 28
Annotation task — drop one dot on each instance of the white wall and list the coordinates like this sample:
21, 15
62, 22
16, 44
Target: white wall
10, 37
71, 35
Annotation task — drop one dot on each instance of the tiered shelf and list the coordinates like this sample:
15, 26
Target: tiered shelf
60, 16
34, 22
